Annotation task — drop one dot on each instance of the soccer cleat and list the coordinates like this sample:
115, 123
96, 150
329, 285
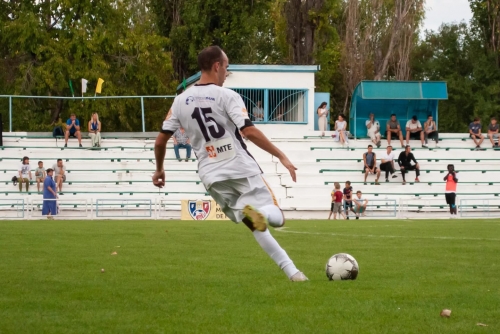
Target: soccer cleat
299, 277
259, 222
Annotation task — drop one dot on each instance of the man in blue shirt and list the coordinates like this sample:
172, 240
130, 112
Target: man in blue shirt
73, 130
49, 207
475, 132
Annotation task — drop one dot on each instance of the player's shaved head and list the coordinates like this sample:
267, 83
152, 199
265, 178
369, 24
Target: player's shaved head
209, 56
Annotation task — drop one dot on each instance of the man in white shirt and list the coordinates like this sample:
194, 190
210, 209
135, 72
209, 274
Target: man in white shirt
212, 117
414, 131
387, 163
373, 130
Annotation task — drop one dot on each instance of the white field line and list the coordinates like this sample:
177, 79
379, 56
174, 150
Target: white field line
282, 230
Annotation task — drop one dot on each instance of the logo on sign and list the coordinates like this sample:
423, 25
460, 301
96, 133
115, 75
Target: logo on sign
199, 210
211, 151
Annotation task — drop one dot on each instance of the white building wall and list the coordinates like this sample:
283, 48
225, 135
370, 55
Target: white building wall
281, 80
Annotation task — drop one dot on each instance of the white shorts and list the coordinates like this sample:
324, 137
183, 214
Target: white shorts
233, 195
373, 136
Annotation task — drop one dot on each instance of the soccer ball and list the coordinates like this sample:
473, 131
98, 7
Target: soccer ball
341, 267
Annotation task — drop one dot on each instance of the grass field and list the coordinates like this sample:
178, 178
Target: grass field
211, 277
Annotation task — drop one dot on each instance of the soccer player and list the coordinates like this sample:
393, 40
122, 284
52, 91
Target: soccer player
212, 117
451, 188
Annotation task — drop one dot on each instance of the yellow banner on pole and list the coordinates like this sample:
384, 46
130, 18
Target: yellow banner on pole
201, 210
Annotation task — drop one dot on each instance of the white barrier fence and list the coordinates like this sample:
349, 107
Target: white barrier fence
66, 208
479, 207
130, 208
12, 208
162, 208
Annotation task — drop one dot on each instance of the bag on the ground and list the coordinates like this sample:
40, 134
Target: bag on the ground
14, 180
58, 132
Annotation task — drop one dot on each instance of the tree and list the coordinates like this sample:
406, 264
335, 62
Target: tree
44, 44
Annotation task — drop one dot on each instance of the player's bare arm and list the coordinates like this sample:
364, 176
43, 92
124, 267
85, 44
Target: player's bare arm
160, 151
258, 138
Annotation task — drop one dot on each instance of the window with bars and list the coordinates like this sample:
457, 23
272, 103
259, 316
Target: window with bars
275, 105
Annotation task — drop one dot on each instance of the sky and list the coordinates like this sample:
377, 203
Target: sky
445, 11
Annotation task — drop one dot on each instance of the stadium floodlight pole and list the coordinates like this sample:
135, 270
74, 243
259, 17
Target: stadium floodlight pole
142, 108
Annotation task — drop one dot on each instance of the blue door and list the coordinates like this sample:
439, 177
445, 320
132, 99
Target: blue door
318, 99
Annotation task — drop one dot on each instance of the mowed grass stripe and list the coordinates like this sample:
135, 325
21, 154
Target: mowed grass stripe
211, 277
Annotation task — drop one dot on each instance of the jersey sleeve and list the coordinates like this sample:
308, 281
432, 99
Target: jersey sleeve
237, 112
171, 122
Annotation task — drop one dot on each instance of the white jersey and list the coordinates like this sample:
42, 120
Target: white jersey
212, 117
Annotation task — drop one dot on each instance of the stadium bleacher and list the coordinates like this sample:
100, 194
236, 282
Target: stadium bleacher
122, 168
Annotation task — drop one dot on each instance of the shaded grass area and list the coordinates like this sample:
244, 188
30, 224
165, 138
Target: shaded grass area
211, 277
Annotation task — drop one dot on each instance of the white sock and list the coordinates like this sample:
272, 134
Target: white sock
273, 214
274, 250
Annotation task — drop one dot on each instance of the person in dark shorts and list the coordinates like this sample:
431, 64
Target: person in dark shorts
451, 190
348, 199
493, 132
370, 161
336, 206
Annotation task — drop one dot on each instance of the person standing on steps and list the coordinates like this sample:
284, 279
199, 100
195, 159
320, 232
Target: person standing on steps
322, 119
451, 180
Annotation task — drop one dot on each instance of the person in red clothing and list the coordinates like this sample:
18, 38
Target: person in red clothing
451, 190
336, 207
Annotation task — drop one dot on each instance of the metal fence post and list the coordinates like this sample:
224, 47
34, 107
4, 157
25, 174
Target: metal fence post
142, 107
10, 113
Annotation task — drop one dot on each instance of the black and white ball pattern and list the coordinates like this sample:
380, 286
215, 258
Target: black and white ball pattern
341, 267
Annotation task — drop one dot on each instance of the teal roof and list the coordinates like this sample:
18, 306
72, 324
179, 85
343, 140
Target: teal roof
402, 90
405, 99
259, 68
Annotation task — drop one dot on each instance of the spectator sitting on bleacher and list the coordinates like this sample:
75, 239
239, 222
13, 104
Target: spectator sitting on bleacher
475, 132
95, 130
387, 163
39, 175
373, 130
430, 130
24, 174
394, 128
370, 163
493, 132
59, 174
72, 130
404, 161
258, 112
414, 131
340, 130
181, 140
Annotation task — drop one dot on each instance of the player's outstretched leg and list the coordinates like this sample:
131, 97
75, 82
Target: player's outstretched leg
256, 220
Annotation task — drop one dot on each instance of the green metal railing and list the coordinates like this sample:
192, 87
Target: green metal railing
10, 98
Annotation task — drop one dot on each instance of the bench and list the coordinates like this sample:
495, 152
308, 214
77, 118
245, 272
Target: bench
428, 160
127, 170
161, 192
397, 170
97, 159
413, 148
79, 148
